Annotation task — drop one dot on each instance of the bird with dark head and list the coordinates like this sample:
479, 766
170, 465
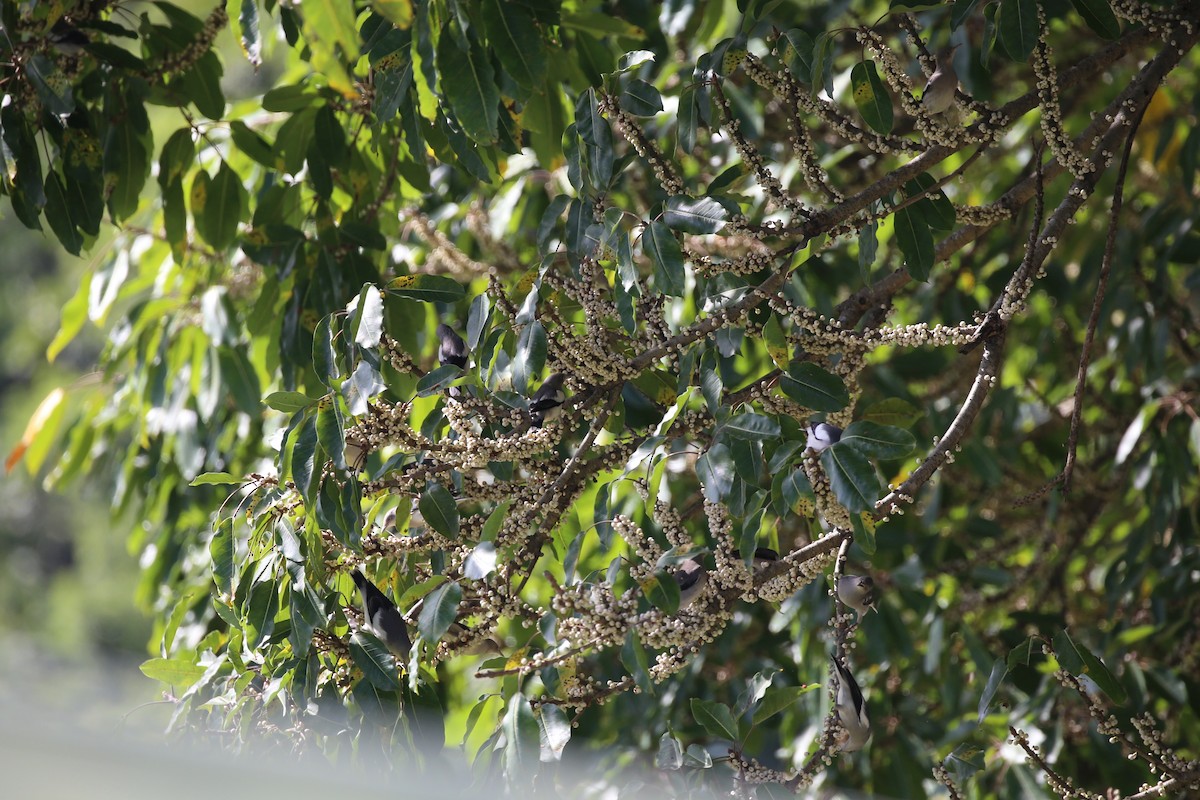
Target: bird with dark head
939, 89
383, 618
822, 435
451, 348
547, 401
691, 577
858, 592
851, 710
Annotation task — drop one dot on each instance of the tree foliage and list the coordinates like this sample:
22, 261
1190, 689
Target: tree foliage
721, 222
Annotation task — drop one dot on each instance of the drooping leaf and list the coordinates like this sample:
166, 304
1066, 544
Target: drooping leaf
716, 718
439, 611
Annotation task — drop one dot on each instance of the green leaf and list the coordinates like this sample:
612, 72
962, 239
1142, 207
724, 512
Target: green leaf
61, 214
332, 37
469, 84
375, 660
1078, 660
871, 96
916, 242
331, 432
555, 731
260, 610
716, 718
439, 611
715, 470
1020, 654
878, 441
440, 510
852, 477
288, 402
752, 427
665, 253
670, 753
1017, 27
892, 411
662, 590
936, 208
641, 99
427, 288
216, 479
961, 11
999, 671
813, 387
694, 214
250, 38
522, 741
778, 699
172, 671
798, 56
222, 551
516, 42
633, 657
432, 383
1099, 17
222, 208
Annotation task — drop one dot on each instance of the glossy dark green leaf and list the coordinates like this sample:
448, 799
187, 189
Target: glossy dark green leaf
522, 741
751, 426
302, 456
469, 83
878, 441
516, 42
715, 718
798, 56
641, 99
666, 255
999, 671
250, 38
1017, 27
716, 471
1079, 660
662, 590
438, 380
936, 209
780, 698
331, 432
597, 137
439, 611
916, 242
440, 510
260, 611
363, 384
854, 482
633, 657
201, 86
961, 11
530, 356
871, 96
796, 487
61, 214
1021, 654
377, 663
694, 214
53, 88
222, 208
323, 358
126, 161
813, 387
1099, 17
427, 288
892, 411
223, 555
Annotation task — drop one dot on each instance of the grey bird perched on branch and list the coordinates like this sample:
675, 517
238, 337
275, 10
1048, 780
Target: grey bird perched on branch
940, 88
851, 709
452, 349
858, 592
547, 401
691, 577
383, 618
822, 435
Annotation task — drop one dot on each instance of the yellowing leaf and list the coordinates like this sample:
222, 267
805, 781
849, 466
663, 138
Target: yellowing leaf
41, 415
